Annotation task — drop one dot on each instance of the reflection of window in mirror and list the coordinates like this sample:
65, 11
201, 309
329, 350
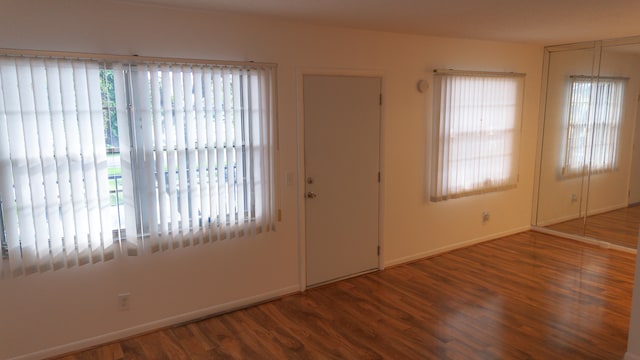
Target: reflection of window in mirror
595, 113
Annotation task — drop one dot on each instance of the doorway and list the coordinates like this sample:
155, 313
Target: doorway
342, 175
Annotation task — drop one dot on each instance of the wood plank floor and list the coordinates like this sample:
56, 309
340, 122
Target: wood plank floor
619, 227
527, 296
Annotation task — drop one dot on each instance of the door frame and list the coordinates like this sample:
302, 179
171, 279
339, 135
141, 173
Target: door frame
300, 125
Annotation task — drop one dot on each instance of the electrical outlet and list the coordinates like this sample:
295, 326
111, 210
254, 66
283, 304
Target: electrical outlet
123, 301
574, 197
485, 216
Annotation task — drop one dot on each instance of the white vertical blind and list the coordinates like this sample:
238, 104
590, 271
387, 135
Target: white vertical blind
476, 132
193, 162
204, 138
593, 129
53, 171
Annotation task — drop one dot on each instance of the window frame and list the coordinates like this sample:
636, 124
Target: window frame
442, 188
577, 161
266, 180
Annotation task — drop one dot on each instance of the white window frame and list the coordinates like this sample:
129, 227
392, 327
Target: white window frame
476, 132
593, 125
254, 108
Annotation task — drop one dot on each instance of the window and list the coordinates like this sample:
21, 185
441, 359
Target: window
593, 126
476, 132
99, 159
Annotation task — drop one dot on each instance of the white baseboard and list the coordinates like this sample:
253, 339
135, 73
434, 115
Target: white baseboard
557, 220
585, 239
630, 356
154, 325
606, 209
455, 246
589, 213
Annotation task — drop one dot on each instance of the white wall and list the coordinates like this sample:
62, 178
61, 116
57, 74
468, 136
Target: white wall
600, 192
65, 310
612, 190
633, 345
634, 178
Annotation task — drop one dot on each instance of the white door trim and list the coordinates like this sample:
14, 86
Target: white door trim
302, 240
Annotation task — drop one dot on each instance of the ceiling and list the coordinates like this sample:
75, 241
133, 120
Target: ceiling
544, 22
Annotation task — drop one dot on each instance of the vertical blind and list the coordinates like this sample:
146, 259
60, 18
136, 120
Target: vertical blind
53, 171
593, 129
476, 132
101, 159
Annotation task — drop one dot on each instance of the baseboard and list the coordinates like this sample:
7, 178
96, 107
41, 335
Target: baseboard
630, 356
607, 209
584, 239
557, 220
155, 325
455, 246
589, 213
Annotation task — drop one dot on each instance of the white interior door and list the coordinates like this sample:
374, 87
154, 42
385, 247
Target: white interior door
342, 146
634, 180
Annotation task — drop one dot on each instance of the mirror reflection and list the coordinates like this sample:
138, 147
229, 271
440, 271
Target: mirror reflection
589, 168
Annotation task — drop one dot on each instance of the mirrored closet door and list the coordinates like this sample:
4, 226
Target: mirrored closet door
588, 182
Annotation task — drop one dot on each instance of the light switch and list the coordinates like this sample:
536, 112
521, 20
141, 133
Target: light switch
290, 178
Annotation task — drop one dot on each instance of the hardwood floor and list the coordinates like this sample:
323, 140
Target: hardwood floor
619, 227
527, 296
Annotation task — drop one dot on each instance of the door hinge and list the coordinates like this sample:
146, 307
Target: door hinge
380, 99
379, 176
378, 250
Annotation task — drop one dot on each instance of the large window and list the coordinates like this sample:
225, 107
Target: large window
593, 129
476, 132
98, 159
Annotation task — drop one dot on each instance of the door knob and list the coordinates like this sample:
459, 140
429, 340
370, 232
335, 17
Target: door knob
311, 195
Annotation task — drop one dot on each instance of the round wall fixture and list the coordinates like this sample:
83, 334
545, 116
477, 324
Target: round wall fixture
423, 85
